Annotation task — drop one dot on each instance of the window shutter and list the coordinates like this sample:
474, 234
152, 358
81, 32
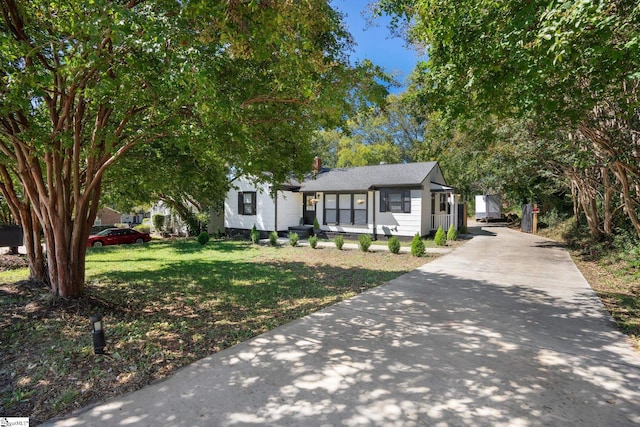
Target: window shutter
253, 203
383, 201
240, 203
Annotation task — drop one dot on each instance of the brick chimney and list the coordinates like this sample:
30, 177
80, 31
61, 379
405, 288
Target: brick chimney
317, 165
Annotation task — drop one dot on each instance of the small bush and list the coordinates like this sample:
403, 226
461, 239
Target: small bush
463, 229
394, 245
293, 239
364, 242
143, 228
313, 241
339, 241
273, 238
452, 233
158, 222
417, 246
441, 237
316, 224
255, 234
203, 238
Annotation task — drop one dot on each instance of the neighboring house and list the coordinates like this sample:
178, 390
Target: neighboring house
172, 222
108, 216
395, 199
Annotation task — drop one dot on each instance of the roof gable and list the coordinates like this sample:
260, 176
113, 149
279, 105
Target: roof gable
369, 177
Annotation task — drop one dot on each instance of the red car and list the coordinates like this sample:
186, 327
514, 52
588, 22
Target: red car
116, 236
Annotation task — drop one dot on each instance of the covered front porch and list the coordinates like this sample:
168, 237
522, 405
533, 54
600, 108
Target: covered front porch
444, 207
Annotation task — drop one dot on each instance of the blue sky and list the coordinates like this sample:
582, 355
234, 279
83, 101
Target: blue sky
375, 42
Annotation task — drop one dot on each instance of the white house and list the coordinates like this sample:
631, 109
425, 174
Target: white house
396, 199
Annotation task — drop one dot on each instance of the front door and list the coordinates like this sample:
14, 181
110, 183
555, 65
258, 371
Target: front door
309, 208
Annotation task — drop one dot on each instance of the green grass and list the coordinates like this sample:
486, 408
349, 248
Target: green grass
165, 304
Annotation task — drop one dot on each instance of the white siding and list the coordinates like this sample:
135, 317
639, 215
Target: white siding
289, 209
401, 224
265, 208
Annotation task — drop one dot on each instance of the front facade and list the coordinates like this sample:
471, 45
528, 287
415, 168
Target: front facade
381, 200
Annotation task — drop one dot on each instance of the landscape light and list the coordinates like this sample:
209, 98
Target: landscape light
97, 331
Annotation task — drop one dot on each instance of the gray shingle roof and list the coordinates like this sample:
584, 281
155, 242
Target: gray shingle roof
367, 177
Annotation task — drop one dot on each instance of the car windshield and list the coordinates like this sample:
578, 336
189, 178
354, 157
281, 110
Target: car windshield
104, 232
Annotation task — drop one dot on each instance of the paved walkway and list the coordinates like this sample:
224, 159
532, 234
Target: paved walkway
504, 331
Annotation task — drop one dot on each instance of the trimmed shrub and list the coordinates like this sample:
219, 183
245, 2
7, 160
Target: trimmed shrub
364, 242
452, 233
254, 234
203, 238
158, 222
417, 246
441, 237
313, 241
394, 245
143, 228
316, 224
339, 241
293, 239
273, 238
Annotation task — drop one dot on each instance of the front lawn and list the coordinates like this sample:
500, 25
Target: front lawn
165, 304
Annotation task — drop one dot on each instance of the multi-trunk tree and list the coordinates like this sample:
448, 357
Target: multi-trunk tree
84, 83
571, 69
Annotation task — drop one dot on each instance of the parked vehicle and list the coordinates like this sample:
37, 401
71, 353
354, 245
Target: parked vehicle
488, 208
117, 236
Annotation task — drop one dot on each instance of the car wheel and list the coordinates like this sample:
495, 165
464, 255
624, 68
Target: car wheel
139, 240
97, 244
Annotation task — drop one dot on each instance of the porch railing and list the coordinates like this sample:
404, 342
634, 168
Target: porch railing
441, 220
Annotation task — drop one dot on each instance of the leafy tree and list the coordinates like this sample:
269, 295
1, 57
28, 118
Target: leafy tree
569, 70
87, 83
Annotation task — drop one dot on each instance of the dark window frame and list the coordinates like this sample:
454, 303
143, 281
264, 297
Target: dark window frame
405, 200
242, 205
352, 209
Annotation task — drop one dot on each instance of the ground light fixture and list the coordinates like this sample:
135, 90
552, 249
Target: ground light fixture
97, 331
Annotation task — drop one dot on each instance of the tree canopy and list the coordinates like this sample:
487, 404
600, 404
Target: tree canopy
567, 71
84, 84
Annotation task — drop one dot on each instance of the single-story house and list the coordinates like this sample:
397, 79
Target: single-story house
386, 199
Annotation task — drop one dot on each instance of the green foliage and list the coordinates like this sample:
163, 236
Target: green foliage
339, 241
440, 237
394, 245
203, 238
273, 238
313, 241
417, 245
158, 221
293, 239
364, 242
254, 234
452, 233
143, 228
170, 95
316, 224
507, 80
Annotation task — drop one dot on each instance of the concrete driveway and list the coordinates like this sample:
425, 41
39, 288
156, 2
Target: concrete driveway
504, 331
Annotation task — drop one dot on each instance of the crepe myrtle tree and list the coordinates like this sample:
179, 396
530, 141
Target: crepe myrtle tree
84, 83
